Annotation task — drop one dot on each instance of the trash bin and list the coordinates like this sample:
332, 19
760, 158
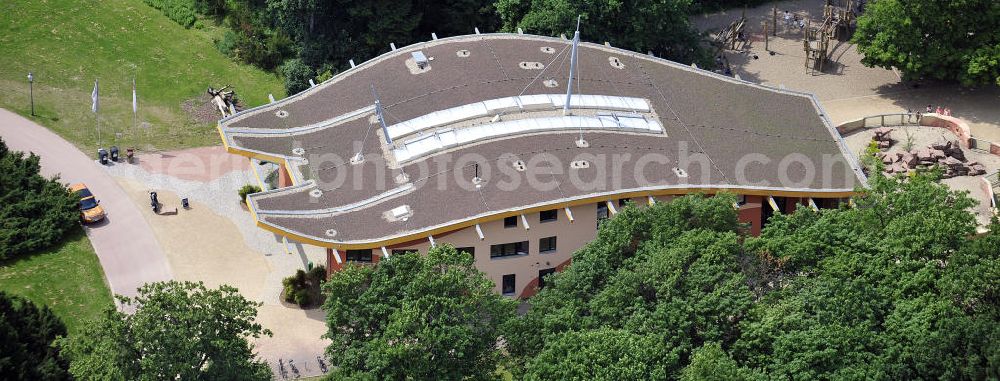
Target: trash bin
114, 154
102, 156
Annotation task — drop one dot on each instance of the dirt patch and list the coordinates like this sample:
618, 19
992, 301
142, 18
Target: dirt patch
202, 110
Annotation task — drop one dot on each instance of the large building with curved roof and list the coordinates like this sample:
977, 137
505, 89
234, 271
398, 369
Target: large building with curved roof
469, 141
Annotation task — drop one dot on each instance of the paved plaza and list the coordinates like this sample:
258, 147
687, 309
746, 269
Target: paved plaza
215, 241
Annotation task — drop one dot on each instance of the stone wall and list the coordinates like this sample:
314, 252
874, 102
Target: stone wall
953, 124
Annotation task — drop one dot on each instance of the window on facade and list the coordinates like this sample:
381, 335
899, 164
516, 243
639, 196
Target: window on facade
510, 222
741, 199
509, 249
548, 215
602, 212
547, 244
468, 250
403, 251
542, 274
622, 202
508, 285
359, 255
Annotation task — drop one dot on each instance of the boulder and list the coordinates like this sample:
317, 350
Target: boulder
951, 162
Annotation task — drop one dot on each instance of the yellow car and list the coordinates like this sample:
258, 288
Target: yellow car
90, 210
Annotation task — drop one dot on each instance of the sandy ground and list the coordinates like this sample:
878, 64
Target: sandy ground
201, 245
924, 136
847, 89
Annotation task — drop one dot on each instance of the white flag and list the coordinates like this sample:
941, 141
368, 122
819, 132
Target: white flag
135, 100
93, 96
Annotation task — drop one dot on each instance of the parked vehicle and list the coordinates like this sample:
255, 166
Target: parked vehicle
90, 208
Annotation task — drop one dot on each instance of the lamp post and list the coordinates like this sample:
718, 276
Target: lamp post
31, 92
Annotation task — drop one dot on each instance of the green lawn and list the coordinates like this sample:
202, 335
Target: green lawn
69, 43
67, 278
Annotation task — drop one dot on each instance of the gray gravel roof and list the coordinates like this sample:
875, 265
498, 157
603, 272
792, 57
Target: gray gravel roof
716, 123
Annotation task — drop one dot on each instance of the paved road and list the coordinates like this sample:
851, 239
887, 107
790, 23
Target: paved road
125, 244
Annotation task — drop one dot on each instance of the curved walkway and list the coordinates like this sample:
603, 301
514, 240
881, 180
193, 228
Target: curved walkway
125, 244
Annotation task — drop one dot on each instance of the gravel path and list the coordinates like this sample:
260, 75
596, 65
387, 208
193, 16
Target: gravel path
125, 244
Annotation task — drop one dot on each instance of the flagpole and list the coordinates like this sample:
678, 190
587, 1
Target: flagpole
95, 107
135, 110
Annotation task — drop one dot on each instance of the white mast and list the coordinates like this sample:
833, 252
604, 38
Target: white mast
381, 118
572, 67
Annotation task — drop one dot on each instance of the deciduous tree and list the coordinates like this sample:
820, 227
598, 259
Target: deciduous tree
415, 317
659, 26
939, 39
178, 330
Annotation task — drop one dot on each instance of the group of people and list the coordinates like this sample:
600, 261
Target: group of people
939, 110
928, 110
793, 21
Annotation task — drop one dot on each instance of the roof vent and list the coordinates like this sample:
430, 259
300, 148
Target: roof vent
315, 193
616, 62
399, 213
531, 65
548, 49
281, 114
420, 59
357, 158
550, 83
519, 166
463, 53
579, 164
331, 233
402, 178
680, 172
298, 151
418, 63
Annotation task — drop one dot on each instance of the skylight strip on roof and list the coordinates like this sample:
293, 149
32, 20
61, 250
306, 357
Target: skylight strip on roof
443, 139
496, 106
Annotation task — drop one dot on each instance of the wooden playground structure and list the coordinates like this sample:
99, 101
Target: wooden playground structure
735, 33
838, 23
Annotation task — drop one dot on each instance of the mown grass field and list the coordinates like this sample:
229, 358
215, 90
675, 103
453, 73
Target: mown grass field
69, 43
67, 278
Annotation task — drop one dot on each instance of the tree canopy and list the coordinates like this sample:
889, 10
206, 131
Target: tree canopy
35, 212
27, 334
939, 39
415, 317
179, 330
897, 287
658, 26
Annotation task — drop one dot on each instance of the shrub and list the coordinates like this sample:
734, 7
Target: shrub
181, 11
36, 212
227, 43
303, 288
297, 75
246, 190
